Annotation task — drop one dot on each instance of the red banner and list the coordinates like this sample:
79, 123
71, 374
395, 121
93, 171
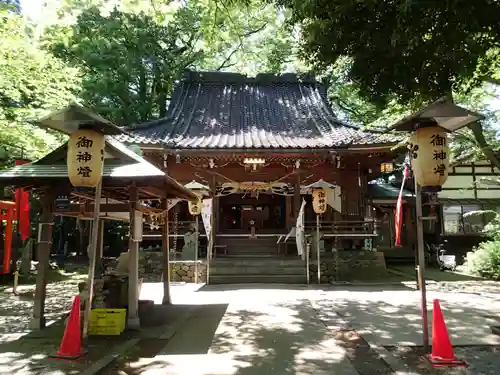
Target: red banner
399, 209
23, 209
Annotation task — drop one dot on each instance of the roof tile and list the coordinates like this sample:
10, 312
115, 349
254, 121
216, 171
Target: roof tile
226, 110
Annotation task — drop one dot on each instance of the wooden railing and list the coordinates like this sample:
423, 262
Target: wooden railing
339, 228
344, 227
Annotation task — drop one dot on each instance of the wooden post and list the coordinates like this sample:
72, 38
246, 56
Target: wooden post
318, 255
288, 212
100, 247
215, 210
165, 246
421, 266
133, 265
44, 246
92, 258
197, 223
296, 198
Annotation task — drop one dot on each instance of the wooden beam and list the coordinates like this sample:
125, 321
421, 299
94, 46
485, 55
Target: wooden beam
89, 208
133, 264
165, 246
154, 192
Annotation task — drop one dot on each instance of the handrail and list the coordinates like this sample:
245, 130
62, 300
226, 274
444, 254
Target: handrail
365, 234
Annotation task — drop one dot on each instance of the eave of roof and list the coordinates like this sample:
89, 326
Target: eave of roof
128, 168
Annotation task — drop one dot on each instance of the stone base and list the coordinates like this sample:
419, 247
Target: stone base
345, 265
133, 323
186, 271
151, 268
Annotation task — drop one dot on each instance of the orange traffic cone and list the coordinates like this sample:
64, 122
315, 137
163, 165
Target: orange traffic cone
442, 351
71, 344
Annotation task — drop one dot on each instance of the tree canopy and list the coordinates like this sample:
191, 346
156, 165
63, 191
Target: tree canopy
402, 49
122, 57
386, 59
32, 83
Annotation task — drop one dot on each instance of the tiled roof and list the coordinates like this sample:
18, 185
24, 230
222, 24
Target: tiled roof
122, 164
386, 191
214, 110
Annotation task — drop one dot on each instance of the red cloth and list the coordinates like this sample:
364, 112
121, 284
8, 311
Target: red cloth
23, 204
399, 210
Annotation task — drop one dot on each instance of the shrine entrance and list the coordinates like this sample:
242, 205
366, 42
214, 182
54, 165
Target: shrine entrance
244, 214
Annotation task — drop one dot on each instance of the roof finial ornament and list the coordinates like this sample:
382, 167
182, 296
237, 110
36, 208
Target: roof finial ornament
178, 158
297, 164
165, 158
211, 163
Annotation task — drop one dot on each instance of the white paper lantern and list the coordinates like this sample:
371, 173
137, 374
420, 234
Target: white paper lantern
430, 154
319, 200
85, 158
195, 207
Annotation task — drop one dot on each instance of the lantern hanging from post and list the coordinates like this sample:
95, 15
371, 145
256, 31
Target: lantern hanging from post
195, 207
430, 157
319, 200
85, 158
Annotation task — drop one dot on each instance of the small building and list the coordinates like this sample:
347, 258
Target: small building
257, 145
471, 186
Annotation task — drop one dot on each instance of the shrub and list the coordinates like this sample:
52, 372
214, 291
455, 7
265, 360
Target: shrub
484, 260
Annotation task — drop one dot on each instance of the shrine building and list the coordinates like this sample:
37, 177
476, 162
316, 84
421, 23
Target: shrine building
256, 146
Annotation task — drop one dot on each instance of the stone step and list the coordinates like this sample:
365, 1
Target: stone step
279, 262
258, 279
244, 270
251, 248
247, 241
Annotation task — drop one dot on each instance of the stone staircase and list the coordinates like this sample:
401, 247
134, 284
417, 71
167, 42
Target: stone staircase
244, 247
254, 270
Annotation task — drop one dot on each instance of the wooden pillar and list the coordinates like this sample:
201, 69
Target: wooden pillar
43, 249
288, 212
133, 264
296, 197
100, 248
215, 210
165, 246
411, 233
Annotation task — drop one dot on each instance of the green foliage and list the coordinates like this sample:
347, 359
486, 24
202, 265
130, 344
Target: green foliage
484, 260
132, 54
32, 83
402, 49
130, 61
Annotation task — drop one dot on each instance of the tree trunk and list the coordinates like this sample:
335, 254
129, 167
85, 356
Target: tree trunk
26, 257
477, 130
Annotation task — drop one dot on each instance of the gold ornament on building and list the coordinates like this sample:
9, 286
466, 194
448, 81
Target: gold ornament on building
85, 158
430, 156
319, 200
387, 167
195, 207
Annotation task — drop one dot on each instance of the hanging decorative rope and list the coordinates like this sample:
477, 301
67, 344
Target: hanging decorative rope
154, 222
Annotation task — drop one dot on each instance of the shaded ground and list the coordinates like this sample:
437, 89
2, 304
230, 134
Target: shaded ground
481, 360
15, 311
269, 329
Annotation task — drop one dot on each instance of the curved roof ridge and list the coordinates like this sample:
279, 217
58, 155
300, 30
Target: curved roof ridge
222, 78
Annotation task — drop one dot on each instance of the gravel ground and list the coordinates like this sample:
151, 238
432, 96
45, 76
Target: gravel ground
15, 311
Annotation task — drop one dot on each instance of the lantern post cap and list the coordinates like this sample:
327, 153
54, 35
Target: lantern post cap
443, 113
320, 184
75, 117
